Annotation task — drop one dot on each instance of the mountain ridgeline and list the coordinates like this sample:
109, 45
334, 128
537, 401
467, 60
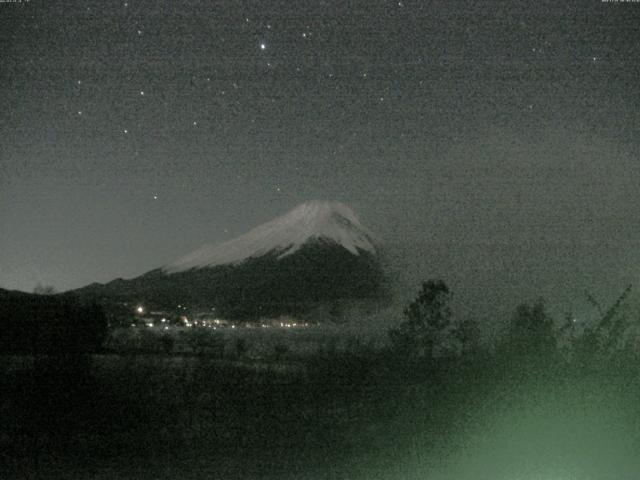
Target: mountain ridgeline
315, 256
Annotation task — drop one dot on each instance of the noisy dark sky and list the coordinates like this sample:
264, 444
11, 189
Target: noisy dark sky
491, 143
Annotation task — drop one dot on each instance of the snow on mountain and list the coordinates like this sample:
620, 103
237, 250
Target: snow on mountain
332, 222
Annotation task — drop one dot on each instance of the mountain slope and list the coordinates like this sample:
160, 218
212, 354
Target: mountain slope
332, 222
316, 254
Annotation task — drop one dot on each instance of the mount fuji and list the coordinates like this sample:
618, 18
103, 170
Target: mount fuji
317, 255
325, 222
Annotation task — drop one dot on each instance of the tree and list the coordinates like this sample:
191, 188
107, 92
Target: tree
606, 336
467, 332
44, 290
95, 326
427, 319
531, 331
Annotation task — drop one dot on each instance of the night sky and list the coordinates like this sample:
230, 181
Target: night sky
491, 143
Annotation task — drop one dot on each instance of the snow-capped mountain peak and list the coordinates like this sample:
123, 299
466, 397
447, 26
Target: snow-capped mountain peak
332, 222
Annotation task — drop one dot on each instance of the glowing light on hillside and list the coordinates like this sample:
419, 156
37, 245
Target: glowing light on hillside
140, 309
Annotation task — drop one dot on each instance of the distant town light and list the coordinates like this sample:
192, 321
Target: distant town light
140, 309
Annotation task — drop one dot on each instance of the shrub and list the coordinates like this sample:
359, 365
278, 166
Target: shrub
426, 323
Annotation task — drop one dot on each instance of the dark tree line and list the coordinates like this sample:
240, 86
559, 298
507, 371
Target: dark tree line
531, 340
49, 324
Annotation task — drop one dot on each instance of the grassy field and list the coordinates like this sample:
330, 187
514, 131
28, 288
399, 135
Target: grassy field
180, 416
336, 413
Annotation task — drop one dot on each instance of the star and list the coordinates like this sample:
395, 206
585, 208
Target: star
139, 32
142, 93
125, 131
79, 112
263, 46
79, 82
155, 197
195, 124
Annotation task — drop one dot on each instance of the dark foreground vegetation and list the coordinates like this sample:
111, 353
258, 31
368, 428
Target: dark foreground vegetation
545, 401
